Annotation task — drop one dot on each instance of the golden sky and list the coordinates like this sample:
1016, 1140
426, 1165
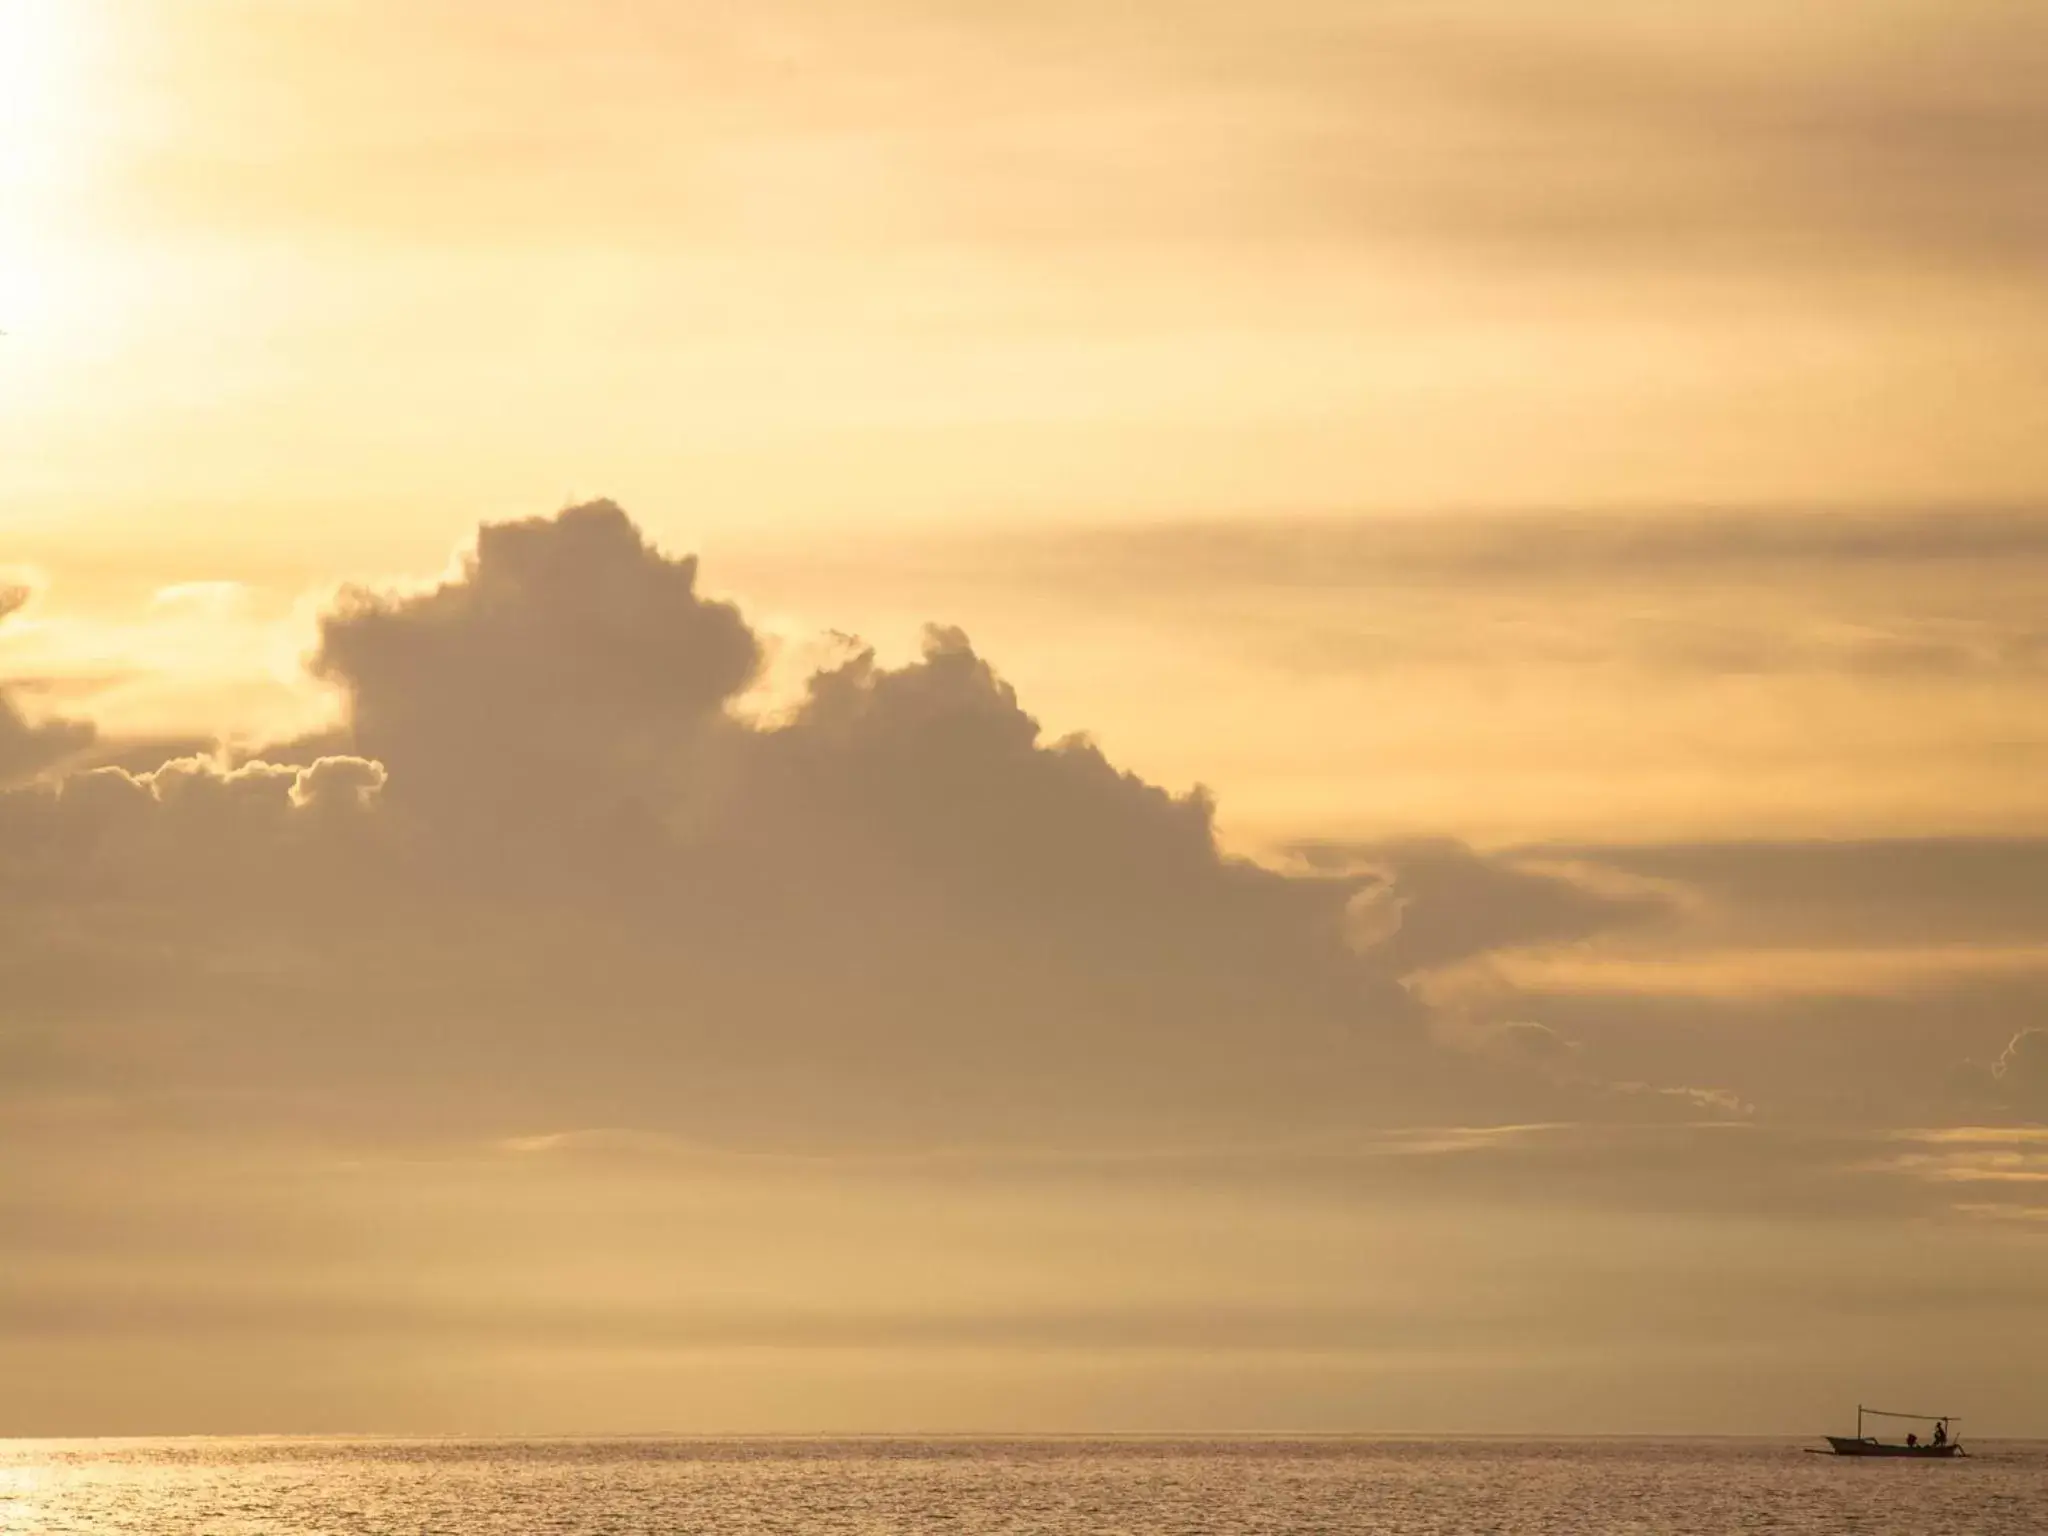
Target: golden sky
1565, 480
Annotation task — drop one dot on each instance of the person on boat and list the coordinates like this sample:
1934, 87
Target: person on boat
1941, 1432
1912, 1441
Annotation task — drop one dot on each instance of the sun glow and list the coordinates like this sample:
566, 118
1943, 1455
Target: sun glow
43, 119
34, 44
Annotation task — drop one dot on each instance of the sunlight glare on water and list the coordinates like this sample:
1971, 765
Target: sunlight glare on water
1514, 1488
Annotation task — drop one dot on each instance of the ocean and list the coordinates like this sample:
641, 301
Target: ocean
243, 1487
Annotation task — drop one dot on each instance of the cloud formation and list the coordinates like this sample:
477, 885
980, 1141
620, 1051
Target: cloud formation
546, 876
549, 876
568, 656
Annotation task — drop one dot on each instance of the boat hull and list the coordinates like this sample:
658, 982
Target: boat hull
1847, 1445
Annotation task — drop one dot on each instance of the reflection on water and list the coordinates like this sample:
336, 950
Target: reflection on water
1514, 1488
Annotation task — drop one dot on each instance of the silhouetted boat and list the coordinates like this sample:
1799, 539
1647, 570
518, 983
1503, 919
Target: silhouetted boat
1940, 1445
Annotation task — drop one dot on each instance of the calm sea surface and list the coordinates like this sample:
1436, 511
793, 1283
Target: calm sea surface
1509, 1488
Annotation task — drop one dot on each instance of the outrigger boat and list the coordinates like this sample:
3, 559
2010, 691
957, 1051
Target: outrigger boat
1939, 1444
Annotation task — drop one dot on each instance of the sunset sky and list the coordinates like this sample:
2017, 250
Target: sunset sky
894, 715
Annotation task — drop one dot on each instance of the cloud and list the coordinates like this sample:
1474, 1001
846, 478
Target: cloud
1862, 981
2021, 1072
1307, 554
1832, 144
1919, 892
1523, 1042
566, 653
1436, 901
337, 782
547, 873
28, 749
1862, 597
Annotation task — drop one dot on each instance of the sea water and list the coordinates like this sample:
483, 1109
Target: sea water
970, 1487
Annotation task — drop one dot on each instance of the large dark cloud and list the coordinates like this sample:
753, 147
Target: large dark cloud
546, 877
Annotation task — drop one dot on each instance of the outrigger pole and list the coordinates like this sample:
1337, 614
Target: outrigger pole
1882, 1413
